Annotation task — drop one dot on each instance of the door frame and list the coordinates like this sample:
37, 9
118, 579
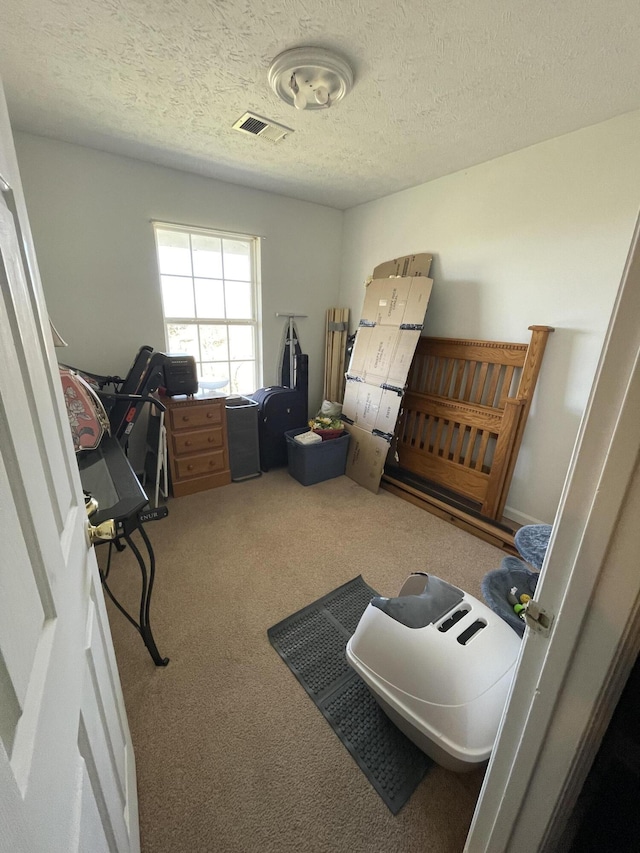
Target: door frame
567, 685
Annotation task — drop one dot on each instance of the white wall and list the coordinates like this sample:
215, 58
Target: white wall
91, 218
537, 237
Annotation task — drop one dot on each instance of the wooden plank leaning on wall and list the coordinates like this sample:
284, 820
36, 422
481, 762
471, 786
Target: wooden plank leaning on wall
337, 329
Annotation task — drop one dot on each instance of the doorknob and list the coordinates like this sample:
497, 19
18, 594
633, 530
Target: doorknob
101, 532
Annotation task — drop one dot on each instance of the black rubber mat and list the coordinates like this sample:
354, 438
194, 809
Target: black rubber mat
312, 644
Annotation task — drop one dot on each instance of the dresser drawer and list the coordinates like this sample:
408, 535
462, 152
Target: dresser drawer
201, 463
190, 417
184, 442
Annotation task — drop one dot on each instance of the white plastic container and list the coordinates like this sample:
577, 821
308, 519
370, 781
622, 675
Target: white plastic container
308, 437
444, 685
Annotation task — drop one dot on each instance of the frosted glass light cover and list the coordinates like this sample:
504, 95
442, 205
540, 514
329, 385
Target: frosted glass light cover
303, 71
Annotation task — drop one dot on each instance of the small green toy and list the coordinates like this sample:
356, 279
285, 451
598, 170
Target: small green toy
519, 603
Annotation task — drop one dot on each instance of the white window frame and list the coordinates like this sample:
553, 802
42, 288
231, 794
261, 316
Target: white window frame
255, 322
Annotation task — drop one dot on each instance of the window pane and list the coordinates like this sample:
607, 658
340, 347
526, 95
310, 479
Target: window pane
174, 254
241, 343
243, 377
210, 304
177, 296
209, 299
207, 256
213, 343
237, 260
238, 295
217, 373
183, 338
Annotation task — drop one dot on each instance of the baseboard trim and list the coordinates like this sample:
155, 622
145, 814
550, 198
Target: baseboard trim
521, 518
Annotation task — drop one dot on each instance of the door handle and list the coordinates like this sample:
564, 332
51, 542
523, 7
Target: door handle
101, 532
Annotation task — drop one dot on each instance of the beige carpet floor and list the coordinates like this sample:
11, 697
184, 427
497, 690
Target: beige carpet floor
232, 755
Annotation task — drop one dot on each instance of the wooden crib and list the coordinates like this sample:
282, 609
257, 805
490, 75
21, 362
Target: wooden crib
464, 415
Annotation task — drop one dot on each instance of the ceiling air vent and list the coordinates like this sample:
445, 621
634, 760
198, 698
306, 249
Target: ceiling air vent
264, 128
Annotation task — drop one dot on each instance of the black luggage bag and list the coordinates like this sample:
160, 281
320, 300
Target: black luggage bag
281, 409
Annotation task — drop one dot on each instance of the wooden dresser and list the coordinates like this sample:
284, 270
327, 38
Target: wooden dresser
196, 443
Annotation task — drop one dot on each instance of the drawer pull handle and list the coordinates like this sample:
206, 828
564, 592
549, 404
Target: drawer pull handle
211, 464
185, 417
187, 444
209, 414
189, 467
210, 439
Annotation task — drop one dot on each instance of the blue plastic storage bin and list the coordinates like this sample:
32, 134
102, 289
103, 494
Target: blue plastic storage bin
313, 463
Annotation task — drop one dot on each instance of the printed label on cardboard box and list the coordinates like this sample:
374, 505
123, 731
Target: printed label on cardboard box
370, 407
382, 355
366, 458
405, 347
397, 302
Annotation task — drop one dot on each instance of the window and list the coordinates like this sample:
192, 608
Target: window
210, 302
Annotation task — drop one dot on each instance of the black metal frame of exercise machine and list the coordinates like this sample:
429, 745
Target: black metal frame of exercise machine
127, 515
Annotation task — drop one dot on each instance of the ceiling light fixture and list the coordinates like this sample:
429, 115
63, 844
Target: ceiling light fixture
310, 78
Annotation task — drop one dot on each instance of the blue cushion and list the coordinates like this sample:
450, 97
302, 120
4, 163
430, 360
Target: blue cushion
497, 584
532, 541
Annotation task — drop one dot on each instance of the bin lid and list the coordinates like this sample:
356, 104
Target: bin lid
236, 402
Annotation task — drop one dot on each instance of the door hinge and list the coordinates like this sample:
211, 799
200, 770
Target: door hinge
537, 618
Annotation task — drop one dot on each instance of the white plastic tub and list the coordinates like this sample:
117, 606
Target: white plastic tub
445, 684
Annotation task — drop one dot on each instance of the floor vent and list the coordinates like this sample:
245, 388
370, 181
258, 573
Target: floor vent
264, 128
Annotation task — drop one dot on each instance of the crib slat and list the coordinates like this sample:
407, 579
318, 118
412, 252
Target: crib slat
438, 436
506, 385
468, 456
482, 378
437, 377
482, 450
446, 384
493, 385
471, 374
451, 430
457, 385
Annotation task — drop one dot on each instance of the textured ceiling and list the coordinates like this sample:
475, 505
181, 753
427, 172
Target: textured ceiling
439, 86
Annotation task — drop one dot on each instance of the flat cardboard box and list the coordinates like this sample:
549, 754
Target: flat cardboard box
382, 355
366, 458
371, 408
400, 302
411, 265
392, 319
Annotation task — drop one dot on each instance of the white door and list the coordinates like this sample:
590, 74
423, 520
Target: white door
567, 684
67, 772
